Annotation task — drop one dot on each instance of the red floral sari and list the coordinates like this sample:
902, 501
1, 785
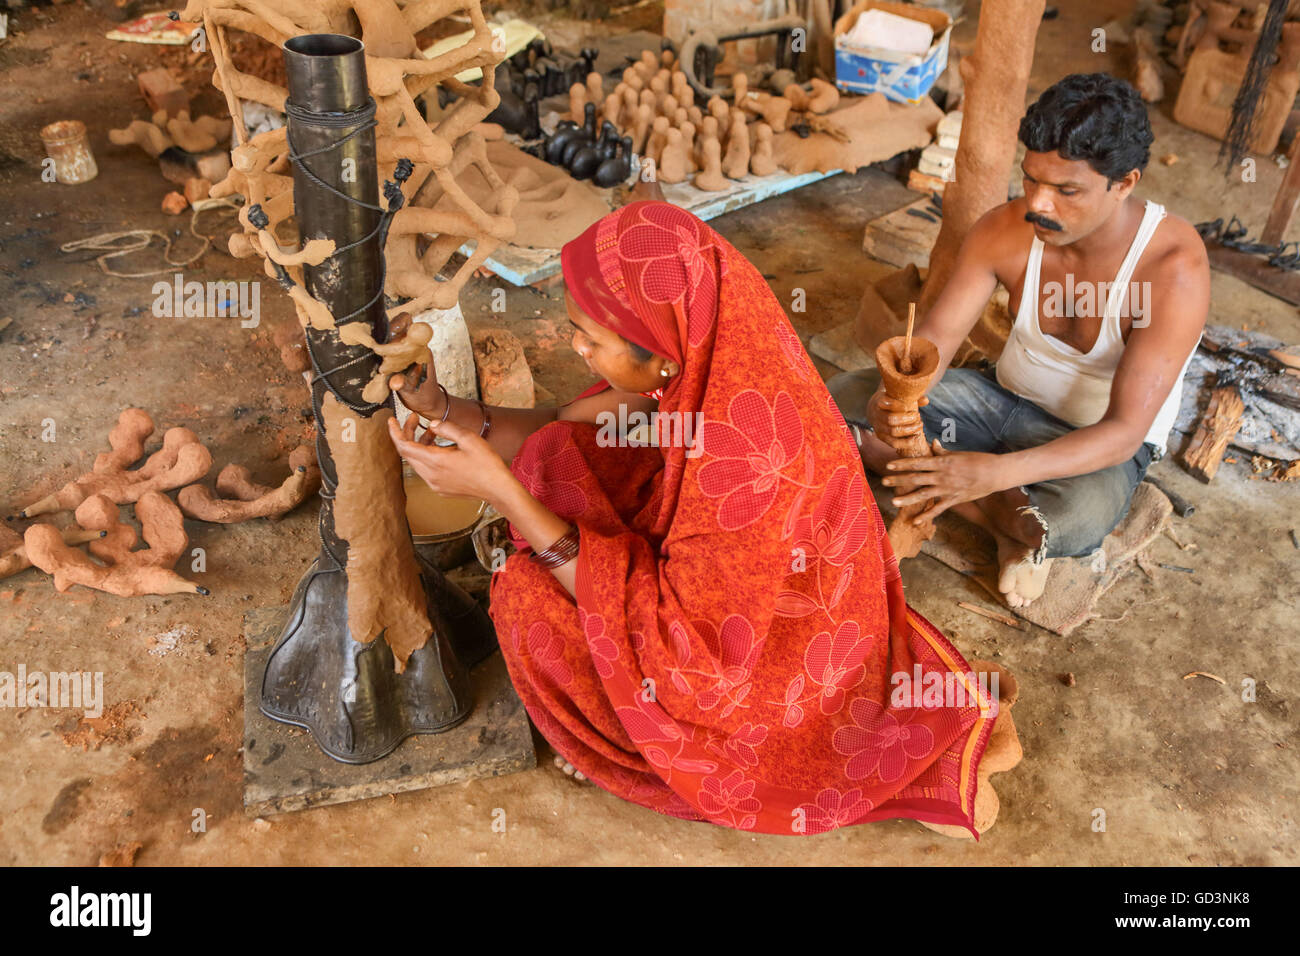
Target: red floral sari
739, 611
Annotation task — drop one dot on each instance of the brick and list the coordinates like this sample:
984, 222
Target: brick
503, 374
161, 91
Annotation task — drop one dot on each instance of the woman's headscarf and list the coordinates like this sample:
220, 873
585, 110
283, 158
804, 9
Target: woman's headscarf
739, 613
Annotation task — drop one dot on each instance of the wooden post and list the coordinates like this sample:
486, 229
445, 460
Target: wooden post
1284, 203
996, 77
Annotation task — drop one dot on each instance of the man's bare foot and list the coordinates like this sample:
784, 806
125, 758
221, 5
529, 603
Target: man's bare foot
569, 769
1020, 580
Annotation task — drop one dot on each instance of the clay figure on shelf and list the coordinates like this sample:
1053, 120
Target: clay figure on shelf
710, 177
760, 160
672, 161
736, 162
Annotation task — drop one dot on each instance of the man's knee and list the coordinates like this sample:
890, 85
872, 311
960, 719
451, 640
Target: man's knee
1080, 512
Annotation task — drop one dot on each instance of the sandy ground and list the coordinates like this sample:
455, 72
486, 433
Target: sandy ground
1185, 771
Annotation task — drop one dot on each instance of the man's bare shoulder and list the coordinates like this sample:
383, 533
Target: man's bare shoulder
1176, 254
1001, 233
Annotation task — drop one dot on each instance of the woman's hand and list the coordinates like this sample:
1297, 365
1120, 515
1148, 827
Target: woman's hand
469, 469
889, 420
422, 396
949, 478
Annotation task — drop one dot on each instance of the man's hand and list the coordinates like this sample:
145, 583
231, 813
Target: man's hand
888, 420
949, 478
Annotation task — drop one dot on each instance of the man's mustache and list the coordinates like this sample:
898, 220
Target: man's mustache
1040, 220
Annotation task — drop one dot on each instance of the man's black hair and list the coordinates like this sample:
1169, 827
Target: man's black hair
1094, 117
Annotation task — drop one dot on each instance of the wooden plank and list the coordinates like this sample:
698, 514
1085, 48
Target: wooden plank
1255, 270
284, 769
1219, 424
901, 237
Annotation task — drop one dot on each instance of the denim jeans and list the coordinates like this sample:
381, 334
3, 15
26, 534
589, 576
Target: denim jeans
970, 411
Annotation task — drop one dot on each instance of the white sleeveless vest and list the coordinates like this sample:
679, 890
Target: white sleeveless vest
1072, 385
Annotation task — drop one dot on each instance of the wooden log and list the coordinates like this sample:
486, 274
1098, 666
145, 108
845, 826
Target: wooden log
996, 78
1217, 427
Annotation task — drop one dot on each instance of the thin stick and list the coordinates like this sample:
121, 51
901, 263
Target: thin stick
906, 363
992, 615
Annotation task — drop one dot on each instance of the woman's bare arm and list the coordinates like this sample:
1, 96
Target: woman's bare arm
512, 426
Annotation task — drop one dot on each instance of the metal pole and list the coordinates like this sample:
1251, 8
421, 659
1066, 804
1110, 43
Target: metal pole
345, 692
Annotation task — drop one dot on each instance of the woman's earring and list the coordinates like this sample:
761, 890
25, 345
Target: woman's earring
664, 372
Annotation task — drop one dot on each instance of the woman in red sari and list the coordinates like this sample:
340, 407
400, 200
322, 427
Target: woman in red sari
724, 640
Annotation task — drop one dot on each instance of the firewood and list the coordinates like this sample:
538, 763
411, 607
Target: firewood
1216, 429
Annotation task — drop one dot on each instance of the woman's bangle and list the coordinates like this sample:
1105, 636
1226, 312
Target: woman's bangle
487, 420
564, 550
446, 403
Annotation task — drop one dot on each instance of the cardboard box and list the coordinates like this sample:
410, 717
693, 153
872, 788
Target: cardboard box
902, 77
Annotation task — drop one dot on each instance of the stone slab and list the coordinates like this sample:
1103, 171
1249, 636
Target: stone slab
284, 770
839, 347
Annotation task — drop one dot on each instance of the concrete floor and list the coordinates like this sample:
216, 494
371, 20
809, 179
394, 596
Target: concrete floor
1185, 771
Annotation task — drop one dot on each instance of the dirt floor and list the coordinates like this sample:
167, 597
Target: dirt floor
1185, 771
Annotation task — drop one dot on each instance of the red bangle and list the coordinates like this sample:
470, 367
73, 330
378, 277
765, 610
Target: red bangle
564, 550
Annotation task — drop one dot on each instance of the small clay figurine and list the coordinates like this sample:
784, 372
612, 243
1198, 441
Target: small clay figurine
761, 162
612, 108
658, 137
710, 178
736, 163
641, 128
577, 100
825, 97
672, 161
719, 110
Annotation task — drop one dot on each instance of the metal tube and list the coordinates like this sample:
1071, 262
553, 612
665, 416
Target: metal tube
317, 676
327, 75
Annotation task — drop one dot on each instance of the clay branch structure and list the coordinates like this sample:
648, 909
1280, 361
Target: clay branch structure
397, 76
182, 460
13, 550
360, 696
906, 386
123, 571
243, 499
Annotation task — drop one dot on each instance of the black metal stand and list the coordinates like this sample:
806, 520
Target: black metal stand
345, 692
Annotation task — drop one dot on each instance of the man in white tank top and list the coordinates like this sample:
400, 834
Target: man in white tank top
1110, 295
